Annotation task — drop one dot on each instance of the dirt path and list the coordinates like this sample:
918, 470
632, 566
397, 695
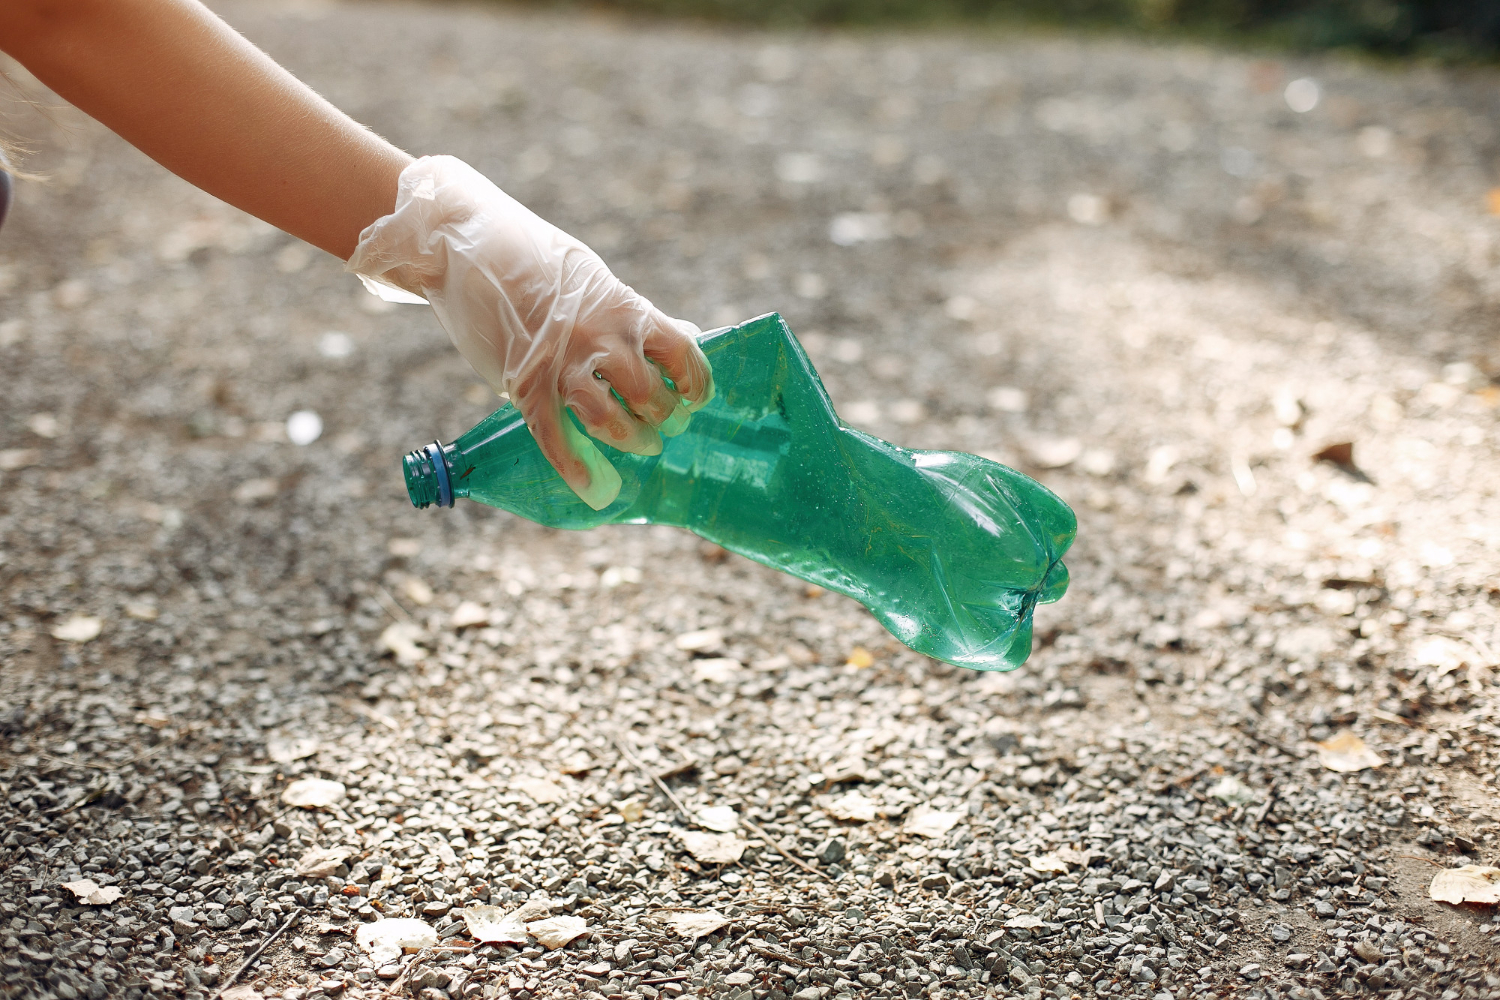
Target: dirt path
1134, 272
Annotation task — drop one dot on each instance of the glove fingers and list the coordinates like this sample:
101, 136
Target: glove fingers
640, 385
605, 418
673, 345
577, 459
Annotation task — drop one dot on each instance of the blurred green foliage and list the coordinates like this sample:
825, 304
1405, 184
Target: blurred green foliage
1463, 29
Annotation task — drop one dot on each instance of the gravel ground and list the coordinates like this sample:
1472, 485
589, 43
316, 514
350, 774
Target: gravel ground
1133, 271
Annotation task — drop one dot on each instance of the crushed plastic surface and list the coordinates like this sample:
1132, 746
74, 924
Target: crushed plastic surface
950, 551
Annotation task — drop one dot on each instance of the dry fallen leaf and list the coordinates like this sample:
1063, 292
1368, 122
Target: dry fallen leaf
417, 591
1441, 652
492, 925
79, 628
860, 658
1048, 863
722, 819
1469, 884
313, 793
90, 892
696, 923
848, 769
322, 862
1024, 921
557, 931
852, 806
928, 822
469, 614
1232, 791
632, 810
578, 763
539, 790
384, 940
241, 992
707, 640
254, 491
1053, 453
1346, 753
533, 909
1340, 454
717, 670
401, 640
286, 751
713, 848
405, 548
12, 459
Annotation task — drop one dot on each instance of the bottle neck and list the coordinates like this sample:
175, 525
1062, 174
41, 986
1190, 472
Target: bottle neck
429, 477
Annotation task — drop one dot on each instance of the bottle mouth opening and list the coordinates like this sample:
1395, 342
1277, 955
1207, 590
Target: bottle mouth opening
428, 480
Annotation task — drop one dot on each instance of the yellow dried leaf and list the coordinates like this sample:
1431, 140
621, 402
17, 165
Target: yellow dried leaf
716, 670
852, 806
860, 657
556, 932
402, 640
928, 822
469, 614
1347, 753
713, 848
696, 923
385, 940
492, 925
1469, 884
322, 862
313, 793
539, 790
417, 591
91, 893
720, 819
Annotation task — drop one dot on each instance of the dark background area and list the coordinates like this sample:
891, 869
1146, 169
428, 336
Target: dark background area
1444, 29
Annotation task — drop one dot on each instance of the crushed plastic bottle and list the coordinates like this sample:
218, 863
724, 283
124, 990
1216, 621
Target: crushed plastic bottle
951, 552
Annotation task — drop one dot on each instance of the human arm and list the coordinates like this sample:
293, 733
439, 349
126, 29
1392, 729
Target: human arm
533, 310
189, 91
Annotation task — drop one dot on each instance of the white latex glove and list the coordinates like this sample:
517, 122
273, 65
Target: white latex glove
540, 317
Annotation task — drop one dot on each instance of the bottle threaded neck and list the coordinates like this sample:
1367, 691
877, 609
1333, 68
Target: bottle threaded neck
428, 480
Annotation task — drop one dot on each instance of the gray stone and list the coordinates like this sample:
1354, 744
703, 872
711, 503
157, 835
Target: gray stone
936, 881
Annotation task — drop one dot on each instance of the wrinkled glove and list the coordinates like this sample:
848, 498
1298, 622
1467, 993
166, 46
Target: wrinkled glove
540, 317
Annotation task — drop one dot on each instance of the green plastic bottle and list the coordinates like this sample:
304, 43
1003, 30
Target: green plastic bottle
951, 552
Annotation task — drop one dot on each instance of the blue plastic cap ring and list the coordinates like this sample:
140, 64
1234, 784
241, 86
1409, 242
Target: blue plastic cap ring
440, 467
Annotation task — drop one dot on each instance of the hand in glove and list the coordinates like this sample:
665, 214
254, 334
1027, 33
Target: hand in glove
540, 317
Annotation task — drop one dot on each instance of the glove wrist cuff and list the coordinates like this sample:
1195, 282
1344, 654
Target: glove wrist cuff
401, 255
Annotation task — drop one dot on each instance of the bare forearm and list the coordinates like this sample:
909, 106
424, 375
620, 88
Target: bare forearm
176, 82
